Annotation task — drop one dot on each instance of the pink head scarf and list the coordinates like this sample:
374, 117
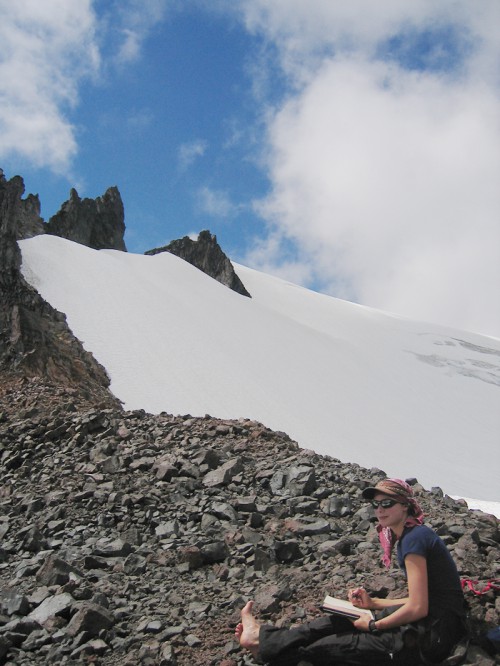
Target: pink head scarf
403, 492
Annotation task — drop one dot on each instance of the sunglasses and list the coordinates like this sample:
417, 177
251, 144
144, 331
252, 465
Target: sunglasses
384, 503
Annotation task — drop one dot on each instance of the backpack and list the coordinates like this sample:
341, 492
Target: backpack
490, 642
493, 639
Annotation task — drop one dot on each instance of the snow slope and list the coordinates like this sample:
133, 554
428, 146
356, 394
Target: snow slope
411, 398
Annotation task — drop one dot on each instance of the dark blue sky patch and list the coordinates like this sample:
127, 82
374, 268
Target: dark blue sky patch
437, 49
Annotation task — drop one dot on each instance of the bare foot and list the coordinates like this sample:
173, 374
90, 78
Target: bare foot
247, 631
238, 631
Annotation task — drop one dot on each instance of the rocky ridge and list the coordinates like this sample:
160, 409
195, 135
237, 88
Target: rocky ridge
34, 337
26, 212
128, 538
100, 224
97, 223
206, 254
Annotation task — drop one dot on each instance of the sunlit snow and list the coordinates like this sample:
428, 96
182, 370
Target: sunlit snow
412, 398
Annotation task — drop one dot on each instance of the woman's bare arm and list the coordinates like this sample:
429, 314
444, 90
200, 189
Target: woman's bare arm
414, 607
359, 597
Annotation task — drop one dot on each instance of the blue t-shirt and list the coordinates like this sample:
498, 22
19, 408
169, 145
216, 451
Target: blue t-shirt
445, 591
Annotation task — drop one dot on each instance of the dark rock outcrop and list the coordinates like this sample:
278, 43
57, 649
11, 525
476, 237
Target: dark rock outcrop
25, 212
97, 223
34, 337
106, 557
206, 254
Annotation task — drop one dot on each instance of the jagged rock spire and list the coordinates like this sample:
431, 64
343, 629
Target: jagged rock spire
97, 223
206, 254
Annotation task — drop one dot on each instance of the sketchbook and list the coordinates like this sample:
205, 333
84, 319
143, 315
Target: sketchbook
345, 608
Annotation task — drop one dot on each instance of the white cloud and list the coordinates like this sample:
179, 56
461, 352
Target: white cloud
384, 174
47, 49
189, 152
216, 203
295, 269
133, 21
140, 119
130, 45
303, 32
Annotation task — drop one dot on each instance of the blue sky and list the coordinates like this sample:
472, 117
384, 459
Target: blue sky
353, 148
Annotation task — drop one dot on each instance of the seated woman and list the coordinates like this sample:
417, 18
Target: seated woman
401, 631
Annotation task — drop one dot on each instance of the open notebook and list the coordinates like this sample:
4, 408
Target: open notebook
345, 608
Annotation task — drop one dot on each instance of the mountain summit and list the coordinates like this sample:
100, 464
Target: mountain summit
412, 398
97, 223
206, 254
135, 537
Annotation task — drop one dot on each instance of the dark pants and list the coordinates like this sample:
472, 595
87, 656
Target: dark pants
332, 640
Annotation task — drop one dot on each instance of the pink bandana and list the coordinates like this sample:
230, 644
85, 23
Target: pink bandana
403, 493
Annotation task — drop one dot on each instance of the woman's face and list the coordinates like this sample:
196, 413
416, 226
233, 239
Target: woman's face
394, 516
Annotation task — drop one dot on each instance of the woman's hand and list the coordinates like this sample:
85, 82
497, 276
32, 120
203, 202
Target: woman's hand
362, 623
360, 597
